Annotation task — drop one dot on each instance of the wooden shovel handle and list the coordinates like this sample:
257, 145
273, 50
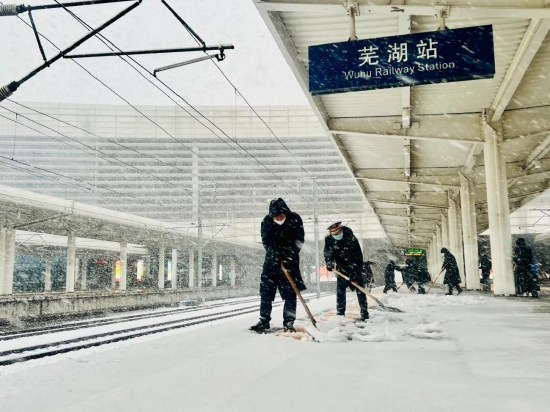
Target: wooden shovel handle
285, 271
359, 287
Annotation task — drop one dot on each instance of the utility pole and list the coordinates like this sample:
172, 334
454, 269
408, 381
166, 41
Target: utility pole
199, 248
316, 237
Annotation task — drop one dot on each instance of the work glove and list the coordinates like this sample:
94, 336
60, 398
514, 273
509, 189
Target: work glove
330, 267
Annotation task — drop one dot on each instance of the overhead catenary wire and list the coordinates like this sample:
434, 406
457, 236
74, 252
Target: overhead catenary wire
105, 39
128, 103
107, 156
75, 179
192, 116
237, 91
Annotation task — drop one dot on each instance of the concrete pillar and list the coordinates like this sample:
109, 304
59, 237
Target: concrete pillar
435, 254
123, 265
469, 233
233, 272
214, 269
431, 261
48, 274
445, 232
191, 268
2, 257
9, 261
174, 269
161, 268
499, 214
71, 262
147, 266
84, 273
455, 236
460, 257
76, 272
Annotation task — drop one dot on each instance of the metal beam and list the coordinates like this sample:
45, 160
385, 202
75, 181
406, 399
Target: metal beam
413, 181
461, 127
530, 44
537, 153
342, 131
531, 9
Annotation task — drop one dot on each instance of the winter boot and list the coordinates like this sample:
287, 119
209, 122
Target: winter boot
261, 326
364, 317
289, 326
459, 289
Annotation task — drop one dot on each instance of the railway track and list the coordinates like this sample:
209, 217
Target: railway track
31, 352
120, 319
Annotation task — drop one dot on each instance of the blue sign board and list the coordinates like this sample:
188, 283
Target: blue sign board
450, 55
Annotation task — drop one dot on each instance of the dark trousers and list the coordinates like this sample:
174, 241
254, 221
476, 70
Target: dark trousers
390, 286
458, 288
289, 310
341, 288
421, 289
485, 277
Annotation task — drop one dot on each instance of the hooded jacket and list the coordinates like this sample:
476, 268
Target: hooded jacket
282, 243
345, 254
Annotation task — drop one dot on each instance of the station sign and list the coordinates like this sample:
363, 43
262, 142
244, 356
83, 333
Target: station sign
444, 56
414, 252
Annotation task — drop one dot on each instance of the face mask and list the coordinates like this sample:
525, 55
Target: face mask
279, 222
338, 237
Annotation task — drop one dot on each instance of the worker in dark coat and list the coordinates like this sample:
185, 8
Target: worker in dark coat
485, 265
282, 237
523, 260
421, 276
389, 277
343, 253
368, 274
452, 275
409, 273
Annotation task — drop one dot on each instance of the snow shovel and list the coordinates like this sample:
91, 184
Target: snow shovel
310, 316
433, 283
386, 308
411, 289
401, 285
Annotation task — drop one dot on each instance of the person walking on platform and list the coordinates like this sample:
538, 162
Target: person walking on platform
523, 260
389, 277
368, 274
485, 265
342, 252
282, 236
452, 275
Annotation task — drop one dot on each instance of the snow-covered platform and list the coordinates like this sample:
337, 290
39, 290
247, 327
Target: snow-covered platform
469, 353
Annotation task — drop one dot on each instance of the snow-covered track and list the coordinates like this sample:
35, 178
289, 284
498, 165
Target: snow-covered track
30, 352
120, 319
70, 345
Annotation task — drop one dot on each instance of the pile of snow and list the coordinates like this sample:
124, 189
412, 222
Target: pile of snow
385, 326
408, 302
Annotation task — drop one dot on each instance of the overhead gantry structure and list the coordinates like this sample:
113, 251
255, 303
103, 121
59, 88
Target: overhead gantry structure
438, 163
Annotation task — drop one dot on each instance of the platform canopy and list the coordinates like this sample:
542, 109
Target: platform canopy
408, 146
45, 221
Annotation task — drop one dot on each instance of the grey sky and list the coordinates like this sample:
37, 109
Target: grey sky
256, 66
